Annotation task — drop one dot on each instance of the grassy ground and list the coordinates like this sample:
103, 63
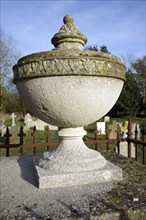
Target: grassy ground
42, 138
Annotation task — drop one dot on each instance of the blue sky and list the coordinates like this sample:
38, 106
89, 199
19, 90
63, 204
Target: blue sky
119, 24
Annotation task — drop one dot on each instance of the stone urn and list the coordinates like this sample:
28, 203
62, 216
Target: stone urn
71, 88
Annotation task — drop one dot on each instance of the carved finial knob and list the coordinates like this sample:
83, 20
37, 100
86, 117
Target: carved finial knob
68, 19
69, 37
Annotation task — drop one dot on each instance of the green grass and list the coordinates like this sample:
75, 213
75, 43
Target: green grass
41, 137
28, 138
19, 122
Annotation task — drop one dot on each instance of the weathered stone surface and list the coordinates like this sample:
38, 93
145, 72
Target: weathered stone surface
73, 163
69, 62
70, 101
110, 172
106, 216
69, 58
22, 200
69, 33
58, 85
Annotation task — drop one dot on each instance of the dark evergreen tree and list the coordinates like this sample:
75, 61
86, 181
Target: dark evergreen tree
140, 68
104, 49
130, 100
95, 48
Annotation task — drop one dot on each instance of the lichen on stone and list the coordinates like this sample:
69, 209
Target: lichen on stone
68, 58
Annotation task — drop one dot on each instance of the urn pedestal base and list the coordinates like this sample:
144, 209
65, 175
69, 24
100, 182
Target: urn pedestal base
73, 163
45, 180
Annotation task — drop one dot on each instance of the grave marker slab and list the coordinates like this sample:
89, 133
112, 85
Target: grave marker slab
13, 116
113, 128
101, 127
28, 120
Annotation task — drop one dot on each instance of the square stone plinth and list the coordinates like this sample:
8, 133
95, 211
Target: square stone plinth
47, 179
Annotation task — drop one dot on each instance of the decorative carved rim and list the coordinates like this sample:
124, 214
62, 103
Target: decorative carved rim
69, 58
83, 66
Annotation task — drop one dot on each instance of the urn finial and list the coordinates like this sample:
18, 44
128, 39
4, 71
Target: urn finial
68, 19
69, 37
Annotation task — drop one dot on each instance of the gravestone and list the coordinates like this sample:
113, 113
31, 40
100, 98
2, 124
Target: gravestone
52, 127
123, 149
106, 119
3, 130
113, 132
28, 120
124, 129
133, 130
101, 127
1, 127
13, 116
40, 125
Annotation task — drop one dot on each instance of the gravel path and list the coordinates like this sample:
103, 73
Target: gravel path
21, 199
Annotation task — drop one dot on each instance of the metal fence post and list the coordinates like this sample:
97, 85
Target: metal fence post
7, 141
129, 134
21, 135
34, 140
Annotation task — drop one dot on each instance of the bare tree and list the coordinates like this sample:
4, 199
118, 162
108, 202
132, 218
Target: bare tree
8, 57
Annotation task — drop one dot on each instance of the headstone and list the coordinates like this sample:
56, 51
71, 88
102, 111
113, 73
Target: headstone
133, 130
106, 119
28, 120
101, 127
124, 149
52, 127
3, 130
13, 116
113, 132
124, 129
40, 125
2, 126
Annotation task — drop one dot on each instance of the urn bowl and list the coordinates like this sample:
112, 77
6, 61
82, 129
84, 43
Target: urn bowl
69, 86
71, 90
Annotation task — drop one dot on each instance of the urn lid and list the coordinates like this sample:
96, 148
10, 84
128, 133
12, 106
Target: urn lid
68, 58
69, 35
